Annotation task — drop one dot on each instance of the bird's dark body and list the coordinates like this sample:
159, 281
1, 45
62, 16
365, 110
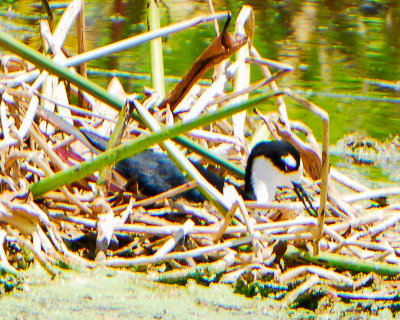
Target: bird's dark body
154, 172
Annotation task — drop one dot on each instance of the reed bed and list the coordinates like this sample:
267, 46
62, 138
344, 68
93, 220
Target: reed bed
64, 207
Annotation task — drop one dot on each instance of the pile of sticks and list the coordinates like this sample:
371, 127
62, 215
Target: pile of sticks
73, 219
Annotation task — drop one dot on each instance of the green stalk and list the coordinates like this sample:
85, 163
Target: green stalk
212, 194
98, 92
343, 262
135, 146
46, 63
157, 65
210, 155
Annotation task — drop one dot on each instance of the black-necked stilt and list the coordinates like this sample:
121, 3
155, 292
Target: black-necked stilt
270, 165
154, 173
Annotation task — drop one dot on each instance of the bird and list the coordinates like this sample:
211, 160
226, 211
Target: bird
153, 172
270, 165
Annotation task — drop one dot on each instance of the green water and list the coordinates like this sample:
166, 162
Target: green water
336, 47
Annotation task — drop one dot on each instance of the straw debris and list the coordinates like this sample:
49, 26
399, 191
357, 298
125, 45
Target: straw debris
270, 249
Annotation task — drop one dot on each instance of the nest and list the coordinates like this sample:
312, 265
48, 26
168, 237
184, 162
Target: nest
53, 205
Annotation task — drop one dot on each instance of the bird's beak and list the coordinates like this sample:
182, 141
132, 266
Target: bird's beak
304, 198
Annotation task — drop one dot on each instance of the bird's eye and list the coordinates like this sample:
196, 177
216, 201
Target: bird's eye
289, 161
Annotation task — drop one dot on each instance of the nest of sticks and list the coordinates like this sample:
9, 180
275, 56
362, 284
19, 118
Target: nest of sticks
91, 220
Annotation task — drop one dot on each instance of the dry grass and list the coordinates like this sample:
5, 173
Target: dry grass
84, 225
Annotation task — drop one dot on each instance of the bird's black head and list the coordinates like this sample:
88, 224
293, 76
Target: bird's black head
271, 164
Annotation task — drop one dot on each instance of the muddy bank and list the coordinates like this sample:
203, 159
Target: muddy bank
114, 294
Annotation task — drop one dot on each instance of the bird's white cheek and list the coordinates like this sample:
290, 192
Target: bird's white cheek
296, 177
289, 161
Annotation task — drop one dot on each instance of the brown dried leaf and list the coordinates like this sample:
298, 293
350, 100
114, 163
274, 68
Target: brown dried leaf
220, 49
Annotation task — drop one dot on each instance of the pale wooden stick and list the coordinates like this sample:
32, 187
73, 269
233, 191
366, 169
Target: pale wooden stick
225, 222
242, 74
59, 215
41, 258
4, 264
45, 242
60, 197
59, 164
301, 289
172, 242
147, 218
274, 87
257, 246
376, 215
211, 6
347, 181
214, 137
217, 267
81, 35
215, 90
321, 272
269, 62
119, 262
325, 159
55, 43
385, 225
372, 194
290, 206
168, 194
182, 161
200, 213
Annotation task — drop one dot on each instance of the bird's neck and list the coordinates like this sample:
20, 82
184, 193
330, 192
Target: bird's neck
263, 180
266, 178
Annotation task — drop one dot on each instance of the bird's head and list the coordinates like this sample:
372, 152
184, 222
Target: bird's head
270, 165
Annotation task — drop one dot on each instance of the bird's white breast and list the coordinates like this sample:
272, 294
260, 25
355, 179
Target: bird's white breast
266, 178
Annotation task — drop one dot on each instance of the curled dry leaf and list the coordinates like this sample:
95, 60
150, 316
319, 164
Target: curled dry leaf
220, 49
